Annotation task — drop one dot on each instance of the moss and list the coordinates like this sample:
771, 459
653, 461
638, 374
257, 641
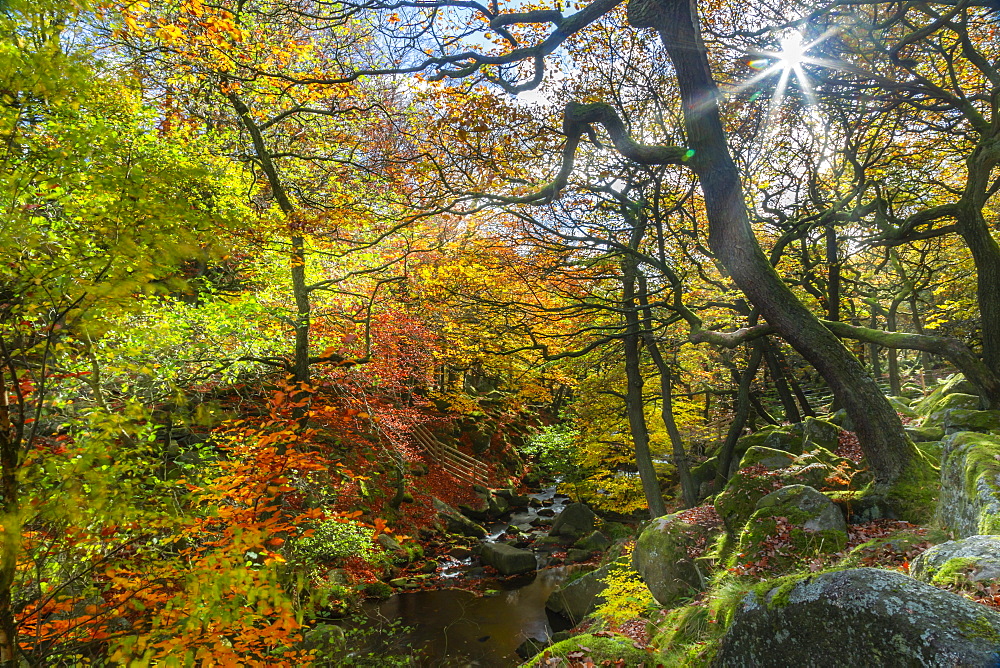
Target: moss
804, 544
737, 501
953, 571
912, 497
980, 628
597, 648
378, 590
982, 469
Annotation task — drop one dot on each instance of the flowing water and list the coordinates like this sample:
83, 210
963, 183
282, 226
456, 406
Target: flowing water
456, 628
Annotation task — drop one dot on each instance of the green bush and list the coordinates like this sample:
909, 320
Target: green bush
333, 540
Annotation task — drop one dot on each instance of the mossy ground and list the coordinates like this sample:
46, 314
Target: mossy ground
597, 648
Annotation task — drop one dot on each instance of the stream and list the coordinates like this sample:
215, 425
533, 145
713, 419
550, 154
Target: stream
454, 627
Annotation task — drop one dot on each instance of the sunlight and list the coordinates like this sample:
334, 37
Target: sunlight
785, 63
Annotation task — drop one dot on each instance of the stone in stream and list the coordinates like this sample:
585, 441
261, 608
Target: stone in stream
576, 520
506, 559
456, 522
580, 597
861, 616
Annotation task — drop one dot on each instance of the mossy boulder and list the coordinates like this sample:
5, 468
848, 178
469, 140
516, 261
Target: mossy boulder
453, 521
862, 616
577, 598
737, 502
959, 419
508, 560
959, 562
939, 411
576, 519
616, 650
661, 557
595, 541
769, 458
818, 433
800, 521
924, 434
902, 406
954, 384
969, 502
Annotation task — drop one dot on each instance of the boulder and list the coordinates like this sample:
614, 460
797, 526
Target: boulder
818, 433
455, 522
576, 519
862, 616
736, 503
769, 458
506, 559
808, 520
661, 558
959, 562
924, 434
530, 647
954, 384
958, 419
969, 503
593, 542
957, 401
902, 406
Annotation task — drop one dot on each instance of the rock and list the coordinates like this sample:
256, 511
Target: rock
429, 566
575, 555
460, 552
575, 520
661, 558
958, 419
388, 543
923, 434
737, 502
818, 512
578, 598
326, 640
902, 406
948, 403
530, 648
548, 543
959, 562
593, 542
861, 616
955, 383
969, 503
769, 458
812, 523
456, 522
819, 433
506, 559
546, 512
534, 503
498, 506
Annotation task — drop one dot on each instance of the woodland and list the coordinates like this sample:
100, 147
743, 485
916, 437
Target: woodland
299, 299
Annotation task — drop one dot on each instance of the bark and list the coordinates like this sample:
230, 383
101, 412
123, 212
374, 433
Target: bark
740, 416
688, 492
890, 324
731, 239
633, 394
781, 384
873, 348
833, 273
297, 254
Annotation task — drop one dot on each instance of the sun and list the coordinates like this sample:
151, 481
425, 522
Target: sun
788, 61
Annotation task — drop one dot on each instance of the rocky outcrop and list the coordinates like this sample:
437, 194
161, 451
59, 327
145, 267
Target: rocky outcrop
969, 503
661, 558
958, 419
959, 562
508, 560
576, 519
861, 616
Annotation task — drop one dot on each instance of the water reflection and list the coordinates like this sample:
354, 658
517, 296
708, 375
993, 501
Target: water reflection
452, 627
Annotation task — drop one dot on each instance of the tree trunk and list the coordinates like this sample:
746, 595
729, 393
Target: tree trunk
11, 525
890, 324
880, 432
688, 492
740, 416
780, 384
633, 394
